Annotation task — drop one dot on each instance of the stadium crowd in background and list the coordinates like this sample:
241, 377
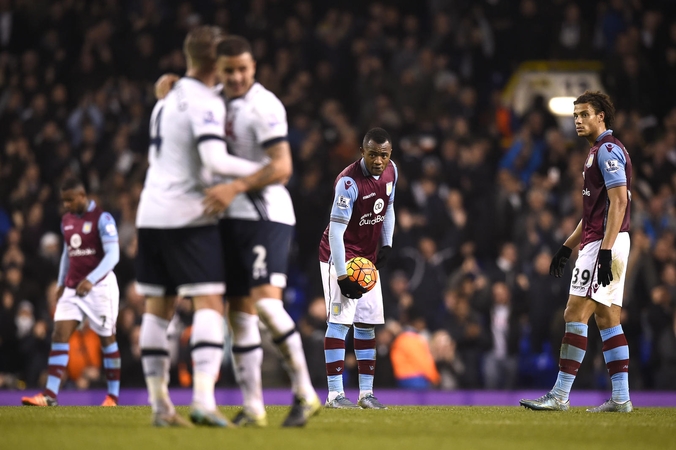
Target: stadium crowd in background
484, 196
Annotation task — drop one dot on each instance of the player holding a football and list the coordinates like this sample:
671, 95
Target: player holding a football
361, 224
87, 287
597, 285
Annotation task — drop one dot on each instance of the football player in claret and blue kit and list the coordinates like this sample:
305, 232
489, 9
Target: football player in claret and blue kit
87, 287
361, 225
597, 285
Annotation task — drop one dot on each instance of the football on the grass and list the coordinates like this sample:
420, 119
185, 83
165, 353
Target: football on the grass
362, 271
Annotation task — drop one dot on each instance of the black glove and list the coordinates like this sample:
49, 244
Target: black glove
383, 254
559, 261
351, 289
605, 274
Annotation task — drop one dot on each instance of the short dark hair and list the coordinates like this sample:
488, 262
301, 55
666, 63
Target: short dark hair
234, 45
377, 135
600, 102
72, 183
200, 46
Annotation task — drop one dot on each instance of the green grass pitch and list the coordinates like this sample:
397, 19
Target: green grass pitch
410, 428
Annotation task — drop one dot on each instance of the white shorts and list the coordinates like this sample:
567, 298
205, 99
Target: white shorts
100, 306
368, 309
584, 282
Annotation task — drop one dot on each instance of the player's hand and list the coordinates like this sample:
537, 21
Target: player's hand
383, 254
351, 289
219, 197
83, 288
164, 84
559, 261
605, 273
59, 291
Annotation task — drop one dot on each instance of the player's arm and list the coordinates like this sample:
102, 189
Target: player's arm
111, 254
164, 84
271, 130
388, 226
612, 164
208, 127
341, 212
278, 170
575, 237
63, 271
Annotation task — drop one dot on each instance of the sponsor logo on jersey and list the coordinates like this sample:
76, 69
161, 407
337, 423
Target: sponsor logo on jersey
388, 188
590, 160
343, 202
378, 205
82, 252
348, 183
68, 227
209, 118
595, 287
75, 240
612, 166
86, 228
372, 194
586, 192
609, 147
375, 220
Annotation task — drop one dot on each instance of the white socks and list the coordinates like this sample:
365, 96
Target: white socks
248, 355
155, 359
271, 311
207, 337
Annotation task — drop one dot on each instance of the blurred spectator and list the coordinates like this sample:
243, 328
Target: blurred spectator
482, 196
412, 361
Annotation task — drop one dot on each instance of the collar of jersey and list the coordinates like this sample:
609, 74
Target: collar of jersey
365, 171
229, 99
604, 134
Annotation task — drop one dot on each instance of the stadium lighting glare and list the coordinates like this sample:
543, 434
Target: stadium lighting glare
561, 106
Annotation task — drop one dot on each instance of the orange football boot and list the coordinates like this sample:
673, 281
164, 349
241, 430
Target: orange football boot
109, 401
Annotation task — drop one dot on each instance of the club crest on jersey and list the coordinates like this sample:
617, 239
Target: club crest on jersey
388, 188
86, 228
590, 161
336, 308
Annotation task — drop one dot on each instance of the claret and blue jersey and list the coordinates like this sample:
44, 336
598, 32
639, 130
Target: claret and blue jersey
608, 165
363, 208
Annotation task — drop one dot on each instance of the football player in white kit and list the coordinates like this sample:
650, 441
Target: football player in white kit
178, 244
256, 232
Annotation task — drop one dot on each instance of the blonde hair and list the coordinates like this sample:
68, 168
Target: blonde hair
200, 45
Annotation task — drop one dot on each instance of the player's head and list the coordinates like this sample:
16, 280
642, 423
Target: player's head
199, 48
236, 66
376, 149
74, 196
594, 113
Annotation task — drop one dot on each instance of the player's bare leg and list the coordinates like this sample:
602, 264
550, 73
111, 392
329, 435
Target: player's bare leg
58, 360
155, 359
208, 334
111, 365
247, 354
616, 355
270, 308
573, 348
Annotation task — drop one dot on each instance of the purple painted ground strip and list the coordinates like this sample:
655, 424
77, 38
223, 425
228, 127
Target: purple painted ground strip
135, 397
